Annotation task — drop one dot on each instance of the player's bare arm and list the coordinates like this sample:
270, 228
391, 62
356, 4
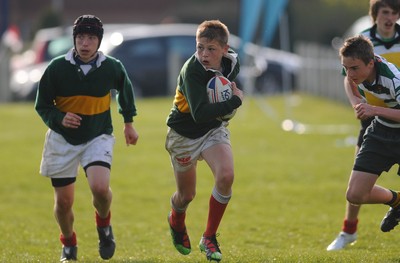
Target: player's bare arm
364, 110
131, 136
352, 92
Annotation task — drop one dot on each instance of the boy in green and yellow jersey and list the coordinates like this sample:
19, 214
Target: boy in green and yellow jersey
73, 99
195, 134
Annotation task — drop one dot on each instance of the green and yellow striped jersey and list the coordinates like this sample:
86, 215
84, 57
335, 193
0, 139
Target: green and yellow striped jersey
192, 115
65, 88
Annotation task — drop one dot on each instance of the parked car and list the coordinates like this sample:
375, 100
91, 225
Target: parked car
154, 54
42, 48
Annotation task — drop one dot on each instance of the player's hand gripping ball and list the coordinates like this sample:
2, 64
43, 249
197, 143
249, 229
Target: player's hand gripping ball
219, 89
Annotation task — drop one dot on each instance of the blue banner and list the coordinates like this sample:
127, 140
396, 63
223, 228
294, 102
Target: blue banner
254, 12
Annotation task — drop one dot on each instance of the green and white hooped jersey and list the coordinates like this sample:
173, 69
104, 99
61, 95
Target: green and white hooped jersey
389, 49
385, 90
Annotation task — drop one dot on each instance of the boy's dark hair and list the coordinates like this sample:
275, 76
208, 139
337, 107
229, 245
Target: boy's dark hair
213, 29
375, 5
359, 47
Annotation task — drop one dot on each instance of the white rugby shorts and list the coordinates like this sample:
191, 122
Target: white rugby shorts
185, 152
61, 159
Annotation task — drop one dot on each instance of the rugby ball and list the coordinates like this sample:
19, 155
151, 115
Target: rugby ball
218, 90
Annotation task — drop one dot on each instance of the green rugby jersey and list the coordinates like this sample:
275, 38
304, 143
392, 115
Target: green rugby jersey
385, 90
192, 115
65, 88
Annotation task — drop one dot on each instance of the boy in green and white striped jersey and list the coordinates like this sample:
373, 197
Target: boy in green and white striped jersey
378, 83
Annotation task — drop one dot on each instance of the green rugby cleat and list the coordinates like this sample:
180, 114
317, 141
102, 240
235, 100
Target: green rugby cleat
210, 246
180, 240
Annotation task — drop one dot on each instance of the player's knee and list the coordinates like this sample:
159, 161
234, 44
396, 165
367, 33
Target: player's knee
63, 203
101, 192
354, 197
225, 178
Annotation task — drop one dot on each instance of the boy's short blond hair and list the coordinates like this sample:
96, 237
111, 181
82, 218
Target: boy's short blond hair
213, 30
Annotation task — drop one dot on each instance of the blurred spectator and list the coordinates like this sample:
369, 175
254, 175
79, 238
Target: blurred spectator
12, 39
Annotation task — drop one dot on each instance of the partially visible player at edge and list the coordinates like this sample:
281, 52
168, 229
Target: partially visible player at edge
385, 36
74, 100
195, 134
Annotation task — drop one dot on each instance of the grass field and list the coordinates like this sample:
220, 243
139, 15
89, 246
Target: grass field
288, 197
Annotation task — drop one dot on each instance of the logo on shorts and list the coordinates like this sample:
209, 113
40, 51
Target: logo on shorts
107, 153
184, 161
